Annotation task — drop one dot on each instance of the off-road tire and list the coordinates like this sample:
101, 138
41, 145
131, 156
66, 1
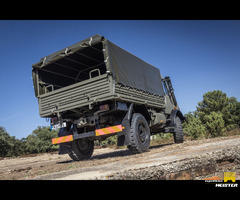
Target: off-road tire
139, 134
82, 149
178, 134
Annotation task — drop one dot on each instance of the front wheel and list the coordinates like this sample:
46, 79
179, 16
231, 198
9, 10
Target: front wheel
178, 134
82, 149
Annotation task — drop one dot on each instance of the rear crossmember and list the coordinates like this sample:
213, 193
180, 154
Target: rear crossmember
97, 132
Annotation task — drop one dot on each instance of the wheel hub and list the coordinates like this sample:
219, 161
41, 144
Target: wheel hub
142, 132
83, 145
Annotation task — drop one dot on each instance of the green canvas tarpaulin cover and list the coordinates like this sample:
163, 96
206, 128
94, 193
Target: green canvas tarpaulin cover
124, 66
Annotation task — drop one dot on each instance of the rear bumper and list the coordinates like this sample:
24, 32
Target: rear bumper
96, 133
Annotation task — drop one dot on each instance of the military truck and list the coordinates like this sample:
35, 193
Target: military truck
94, 89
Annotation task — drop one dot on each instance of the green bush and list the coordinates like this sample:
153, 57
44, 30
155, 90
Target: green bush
214, 124
218, 102
193, 126
6, 143
215, 114
40, 140
112, 140
37, 142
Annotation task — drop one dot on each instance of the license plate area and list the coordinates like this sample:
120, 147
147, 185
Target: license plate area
58, 126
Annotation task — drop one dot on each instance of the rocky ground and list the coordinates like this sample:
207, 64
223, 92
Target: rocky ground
191, 160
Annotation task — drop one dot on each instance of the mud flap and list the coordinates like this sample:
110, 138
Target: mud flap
64, 148
124, 136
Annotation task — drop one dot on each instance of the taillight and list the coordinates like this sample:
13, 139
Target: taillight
104, 107
54, 120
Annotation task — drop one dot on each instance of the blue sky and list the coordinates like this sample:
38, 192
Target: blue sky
199, 56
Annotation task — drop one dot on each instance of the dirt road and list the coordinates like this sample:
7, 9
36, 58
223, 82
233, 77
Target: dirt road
109, 163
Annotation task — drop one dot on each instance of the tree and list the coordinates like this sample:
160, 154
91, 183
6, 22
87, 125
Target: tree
6, 142
217, 101
193, 126
238, 113
40, 141
19, 147
214, 124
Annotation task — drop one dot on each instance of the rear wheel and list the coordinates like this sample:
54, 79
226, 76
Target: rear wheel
139, 134
82, 149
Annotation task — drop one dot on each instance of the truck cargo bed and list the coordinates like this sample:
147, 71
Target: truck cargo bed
75, 96
91, 91
94, 70
133, 95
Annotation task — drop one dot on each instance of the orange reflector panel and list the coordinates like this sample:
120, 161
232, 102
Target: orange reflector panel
58, 140
109, 130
